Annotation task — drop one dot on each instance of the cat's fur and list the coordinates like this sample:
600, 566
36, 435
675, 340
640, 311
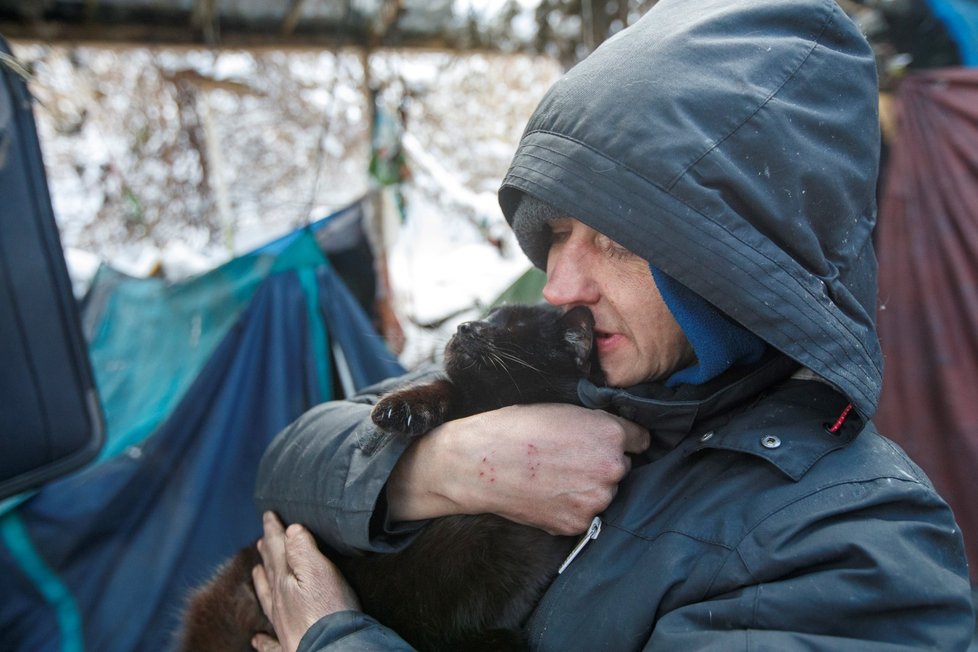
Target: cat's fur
467, 582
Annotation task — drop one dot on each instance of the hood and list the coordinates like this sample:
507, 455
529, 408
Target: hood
734, 144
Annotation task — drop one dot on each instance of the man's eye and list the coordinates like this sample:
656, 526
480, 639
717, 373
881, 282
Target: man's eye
612, 248
618, 252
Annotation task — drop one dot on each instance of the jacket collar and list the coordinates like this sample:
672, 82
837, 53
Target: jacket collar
716, 413
672, 413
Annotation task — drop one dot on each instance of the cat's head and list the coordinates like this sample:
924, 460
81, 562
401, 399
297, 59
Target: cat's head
531, 349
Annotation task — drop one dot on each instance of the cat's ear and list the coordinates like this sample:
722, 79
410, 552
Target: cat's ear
578, 325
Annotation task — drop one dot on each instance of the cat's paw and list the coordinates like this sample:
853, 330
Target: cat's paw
409, 417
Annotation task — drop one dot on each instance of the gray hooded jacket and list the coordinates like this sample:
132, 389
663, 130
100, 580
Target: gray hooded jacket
734, 145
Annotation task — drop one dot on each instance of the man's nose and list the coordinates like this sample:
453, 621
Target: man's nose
568, 280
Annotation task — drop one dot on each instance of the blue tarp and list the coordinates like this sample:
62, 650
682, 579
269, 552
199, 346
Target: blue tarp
961, 19
195, 389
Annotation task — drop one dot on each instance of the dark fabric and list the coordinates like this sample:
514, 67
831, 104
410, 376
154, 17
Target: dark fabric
841, 524
343, 238
351, 631
928, 318
734, 145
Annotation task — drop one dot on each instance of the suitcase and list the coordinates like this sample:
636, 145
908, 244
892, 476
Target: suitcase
50, 418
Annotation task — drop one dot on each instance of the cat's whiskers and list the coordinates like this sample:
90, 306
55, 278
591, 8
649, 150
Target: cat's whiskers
497, 358
493, 360
515, 358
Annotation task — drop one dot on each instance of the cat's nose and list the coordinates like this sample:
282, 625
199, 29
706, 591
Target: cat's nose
473, 328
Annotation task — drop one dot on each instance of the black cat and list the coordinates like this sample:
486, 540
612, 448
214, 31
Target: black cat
467, 582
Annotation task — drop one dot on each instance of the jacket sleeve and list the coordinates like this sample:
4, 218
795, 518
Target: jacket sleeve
328, 471
857, 566
351, 631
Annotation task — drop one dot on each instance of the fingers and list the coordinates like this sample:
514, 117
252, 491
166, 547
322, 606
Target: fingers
637, 438
265, 643
263, 589
271, 547
296, 585
314, 572
301, 550
274, 567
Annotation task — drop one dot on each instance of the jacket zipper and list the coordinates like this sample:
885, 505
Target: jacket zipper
592, 533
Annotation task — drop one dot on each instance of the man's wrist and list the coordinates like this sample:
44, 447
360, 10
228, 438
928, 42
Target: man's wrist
421, 483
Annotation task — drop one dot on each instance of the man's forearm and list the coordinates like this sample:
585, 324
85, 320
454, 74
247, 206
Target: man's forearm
548, 465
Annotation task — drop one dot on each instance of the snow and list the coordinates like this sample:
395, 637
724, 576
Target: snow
441, 277
286, 143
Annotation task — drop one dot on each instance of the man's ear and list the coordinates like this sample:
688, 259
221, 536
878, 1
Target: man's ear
578, 324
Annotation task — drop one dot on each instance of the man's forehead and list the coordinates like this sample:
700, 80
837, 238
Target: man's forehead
563, 222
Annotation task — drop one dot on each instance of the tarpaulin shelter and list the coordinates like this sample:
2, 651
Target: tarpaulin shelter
195, 379
928, 316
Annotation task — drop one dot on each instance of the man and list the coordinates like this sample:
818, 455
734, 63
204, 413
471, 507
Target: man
705, 183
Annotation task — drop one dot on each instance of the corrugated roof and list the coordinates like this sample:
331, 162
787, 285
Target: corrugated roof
238, 23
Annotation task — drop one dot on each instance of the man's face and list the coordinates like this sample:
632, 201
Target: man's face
636, 335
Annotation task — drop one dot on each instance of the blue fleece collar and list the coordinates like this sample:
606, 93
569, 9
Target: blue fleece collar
718, 341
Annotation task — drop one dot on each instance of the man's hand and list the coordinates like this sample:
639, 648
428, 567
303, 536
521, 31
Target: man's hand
296, 585
552, 466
